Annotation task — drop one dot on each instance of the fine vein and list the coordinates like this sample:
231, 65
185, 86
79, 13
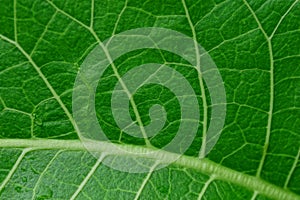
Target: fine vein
42, 175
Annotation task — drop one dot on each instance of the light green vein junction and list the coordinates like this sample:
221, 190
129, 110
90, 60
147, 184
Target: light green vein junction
205, 166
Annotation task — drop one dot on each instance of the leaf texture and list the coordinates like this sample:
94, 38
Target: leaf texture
254, 44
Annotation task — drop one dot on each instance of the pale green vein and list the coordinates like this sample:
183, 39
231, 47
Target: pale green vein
43, 77
2, 102
17, 111
146, 179
15, 21
292, 170
241, 36
13, 67
202, 165
270, 113
92, 13
42, 35
282, 18
233, 152
118, 19
287, 57
68, 15
208, 13
88, 177
287, 79
114, 68
254, 195
43, 173
204, 188
14, 168
200, 79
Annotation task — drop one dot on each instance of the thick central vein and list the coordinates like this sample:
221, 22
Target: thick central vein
204, 166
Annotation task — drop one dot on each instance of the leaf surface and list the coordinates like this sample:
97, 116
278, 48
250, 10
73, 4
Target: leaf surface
254, 44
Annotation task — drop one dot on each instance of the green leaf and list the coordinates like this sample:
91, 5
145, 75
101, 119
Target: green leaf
254, 44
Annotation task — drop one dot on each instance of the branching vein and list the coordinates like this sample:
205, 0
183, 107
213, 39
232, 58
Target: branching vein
115, 70
208, 182
43, 77
201, 83
271, 105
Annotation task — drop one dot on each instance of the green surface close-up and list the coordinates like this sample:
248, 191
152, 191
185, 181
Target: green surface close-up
255, 45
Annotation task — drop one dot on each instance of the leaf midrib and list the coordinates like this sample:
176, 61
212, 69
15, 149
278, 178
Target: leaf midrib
203, 165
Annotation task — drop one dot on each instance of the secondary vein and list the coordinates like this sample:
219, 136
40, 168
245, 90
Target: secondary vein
271, 106
88, 177
14, 168
201, 83
115, 70
139, 192
206, 185
42, 175
43, 77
